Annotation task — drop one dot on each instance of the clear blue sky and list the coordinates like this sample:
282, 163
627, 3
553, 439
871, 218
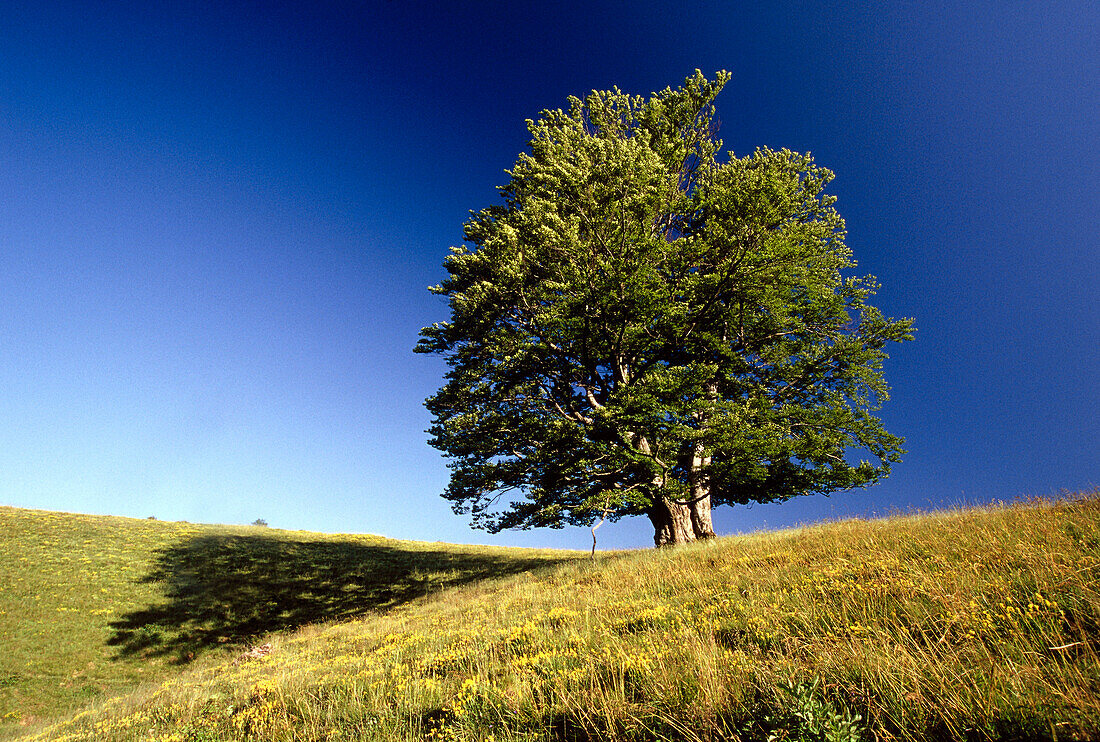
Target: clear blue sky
218, 222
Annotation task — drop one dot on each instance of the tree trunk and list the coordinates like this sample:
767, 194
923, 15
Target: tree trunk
699, 504
672, 523
701, 523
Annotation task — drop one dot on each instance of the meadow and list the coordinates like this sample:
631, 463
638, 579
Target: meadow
976, 624
94, 606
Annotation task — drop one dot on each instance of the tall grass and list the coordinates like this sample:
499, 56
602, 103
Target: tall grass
92, 607
974, 624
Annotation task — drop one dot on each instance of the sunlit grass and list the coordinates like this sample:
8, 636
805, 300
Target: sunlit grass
975, 624
94, 606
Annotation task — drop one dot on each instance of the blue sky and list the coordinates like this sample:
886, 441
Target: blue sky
218, 222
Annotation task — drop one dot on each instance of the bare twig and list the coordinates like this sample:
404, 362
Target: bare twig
1066, 646
603, 517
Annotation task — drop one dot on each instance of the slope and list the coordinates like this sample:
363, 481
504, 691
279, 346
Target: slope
974, 624
93, 606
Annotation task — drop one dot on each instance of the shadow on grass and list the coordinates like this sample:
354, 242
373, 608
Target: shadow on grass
228, 589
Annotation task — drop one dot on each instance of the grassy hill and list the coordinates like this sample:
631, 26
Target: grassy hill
93, 606
976, 624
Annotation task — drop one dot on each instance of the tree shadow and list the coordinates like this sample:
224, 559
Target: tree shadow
226, 590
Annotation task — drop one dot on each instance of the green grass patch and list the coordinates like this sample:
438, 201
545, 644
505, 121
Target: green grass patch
91, 606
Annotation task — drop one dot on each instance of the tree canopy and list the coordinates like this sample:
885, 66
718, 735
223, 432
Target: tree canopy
643, 327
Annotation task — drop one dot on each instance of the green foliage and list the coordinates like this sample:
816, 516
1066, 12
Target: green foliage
808, 716
641, 320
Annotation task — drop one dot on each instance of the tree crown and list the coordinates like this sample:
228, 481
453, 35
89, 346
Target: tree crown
640, 321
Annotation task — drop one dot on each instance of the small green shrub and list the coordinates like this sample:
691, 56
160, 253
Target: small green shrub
812, 717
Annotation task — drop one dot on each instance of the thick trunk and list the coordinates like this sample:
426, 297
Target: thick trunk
699, 504
701, 523
671, 520
671, 523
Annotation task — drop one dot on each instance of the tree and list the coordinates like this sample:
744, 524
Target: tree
643, 329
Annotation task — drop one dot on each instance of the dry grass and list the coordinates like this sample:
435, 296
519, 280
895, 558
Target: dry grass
92, 607
973, 624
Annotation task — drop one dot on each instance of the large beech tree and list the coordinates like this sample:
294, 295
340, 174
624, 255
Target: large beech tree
643, 327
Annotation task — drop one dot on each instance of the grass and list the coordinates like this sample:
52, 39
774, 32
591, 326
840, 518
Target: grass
968, 625
92, 606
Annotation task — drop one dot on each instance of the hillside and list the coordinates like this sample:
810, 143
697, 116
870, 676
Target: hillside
94, 606
975, 624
